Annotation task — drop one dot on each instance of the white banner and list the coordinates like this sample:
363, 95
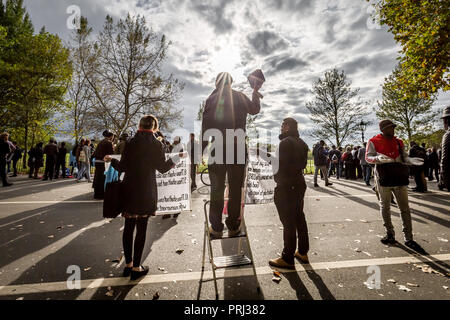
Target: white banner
260, 181
174, 187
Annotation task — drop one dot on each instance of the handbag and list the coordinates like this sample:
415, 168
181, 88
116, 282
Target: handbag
112, 204
82, 157
395, 174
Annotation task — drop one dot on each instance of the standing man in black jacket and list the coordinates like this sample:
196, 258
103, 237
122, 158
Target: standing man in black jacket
445, 157
290, 194
227, 110
61, 161
192, 150
51, 151
4, 152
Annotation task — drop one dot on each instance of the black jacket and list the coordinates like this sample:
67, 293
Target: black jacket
445, 160
292, 156
141, 157
227, 110
320, 159
104, 148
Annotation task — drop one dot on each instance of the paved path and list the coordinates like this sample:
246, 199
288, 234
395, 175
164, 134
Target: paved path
48, 226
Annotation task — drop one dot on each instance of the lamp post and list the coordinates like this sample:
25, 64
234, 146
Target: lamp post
362, 127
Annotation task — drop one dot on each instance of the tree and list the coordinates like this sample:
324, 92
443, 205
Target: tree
422, 29
81, 111
34, 74
411, 113
200, 111
125, 75
335, 110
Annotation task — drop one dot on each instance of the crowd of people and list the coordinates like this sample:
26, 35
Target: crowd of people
352, 164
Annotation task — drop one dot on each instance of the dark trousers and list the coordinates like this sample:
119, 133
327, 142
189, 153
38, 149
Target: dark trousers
193, 175
289, 202
235, 174
99, 181
49, 168
14, 162
139, 242
419, 178
60, 164
436, 173
3, 171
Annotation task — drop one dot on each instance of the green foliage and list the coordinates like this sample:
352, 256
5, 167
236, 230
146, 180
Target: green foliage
34, 74
422, 29
433, 139
411, 113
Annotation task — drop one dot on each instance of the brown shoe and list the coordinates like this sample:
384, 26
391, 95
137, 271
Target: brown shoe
302, 258
234, 233
280, 263
215, 234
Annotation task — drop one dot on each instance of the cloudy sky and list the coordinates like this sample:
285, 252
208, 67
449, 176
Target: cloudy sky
292, 41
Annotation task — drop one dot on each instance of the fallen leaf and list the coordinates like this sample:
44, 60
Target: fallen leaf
59, 228
41, 222
392, 280
366, 253
161, 269
165, 288
156, 296
317, 199
442, 239
87, 269
179, 251
194, 241
445, 287
70, 225
403, 288
412, 284
190, 270
364, 221
340, 285
107, 260
357, 241
277, 274
110, 292
51, 236
20, 298
349, 220
357, 250
276, 279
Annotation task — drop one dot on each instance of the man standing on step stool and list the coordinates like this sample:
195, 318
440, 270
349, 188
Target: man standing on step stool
290, 191
226, 112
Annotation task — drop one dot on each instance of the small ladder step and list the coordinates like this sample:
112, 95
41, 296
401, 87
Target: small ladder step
231, 261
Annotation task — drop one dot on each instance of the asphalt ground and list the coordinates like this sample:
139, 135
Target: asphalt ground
48, 226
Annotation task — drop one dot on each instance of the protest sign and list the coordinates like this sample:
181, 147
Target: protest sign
174, 187
260, 181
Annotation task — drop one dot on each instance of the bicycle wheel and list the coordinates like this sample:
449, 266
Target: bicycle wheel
204, 177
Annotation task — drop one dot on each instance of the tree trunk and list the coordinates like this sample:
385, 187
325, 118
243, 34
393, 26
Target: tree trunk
24, 162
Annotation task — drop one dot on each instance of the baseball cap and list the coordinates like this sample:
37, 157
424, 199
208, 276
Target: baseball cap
386, 123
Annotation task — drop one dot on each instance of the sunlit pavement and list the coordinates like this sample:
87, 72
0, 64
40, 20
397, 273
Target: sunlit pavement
48, 226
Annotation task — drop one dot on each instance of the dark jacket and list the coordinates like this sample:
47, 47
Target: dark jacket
62, 154
445, 160
433, 160
227, 110
36, 157
4, 150
292, 159
104, 148
51, 150
320, 159
142, 156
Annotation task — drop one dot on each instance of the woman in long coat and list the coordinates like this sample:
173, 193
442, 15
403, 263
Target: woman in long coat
104, 148
142, 156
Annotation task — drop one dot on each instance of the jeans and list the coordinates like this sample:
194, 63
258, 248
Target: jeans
323, 169
335, 166
139, 242
289, 202
367, 171
436, 173
84, 170
401, 194
235, 174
